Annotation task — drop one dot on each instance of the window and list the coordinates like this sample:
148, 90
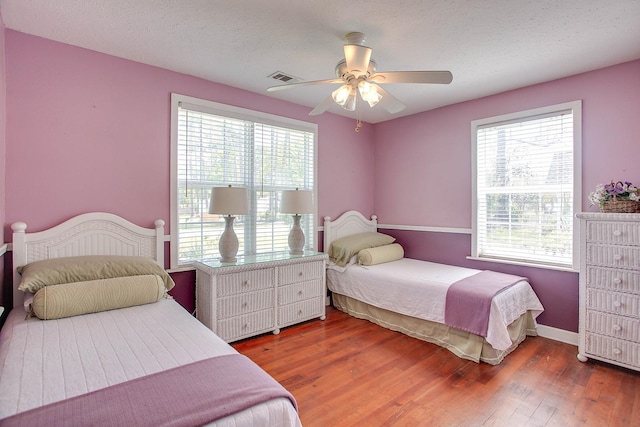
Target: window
219, 145
527, 186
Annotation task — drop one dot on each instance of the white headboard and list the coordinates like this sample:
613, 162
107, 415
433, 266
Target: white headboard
95, 233
350, 222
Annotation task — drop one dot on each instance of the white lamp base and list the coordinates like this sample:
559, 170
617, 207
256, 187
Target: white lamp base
228, 244
296, 237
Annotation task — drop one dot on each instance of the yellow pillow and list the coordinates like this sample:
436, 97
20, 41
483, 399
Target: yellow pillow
55, 271
73, 299
380, 254
341, 250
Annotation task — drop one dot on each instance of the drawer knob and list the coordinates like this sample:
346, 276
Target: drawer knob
245, 326
301, 274
299, 292
247, 282
617, 351
617, 328
617, 280
245, 304
617, 304
617, 257
617, 233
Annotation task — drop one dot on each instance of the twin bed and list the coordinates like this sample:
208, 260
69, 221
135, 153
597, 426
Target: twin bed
144, 360
370, 279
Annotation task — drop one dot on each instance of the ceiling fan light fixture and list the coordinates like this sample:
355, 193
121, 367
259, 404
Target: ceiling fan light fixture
369, 92
341, 94
345, 96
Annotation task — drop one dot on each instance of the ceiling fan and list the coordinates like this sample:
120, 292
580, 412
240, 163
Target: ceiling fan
357, 73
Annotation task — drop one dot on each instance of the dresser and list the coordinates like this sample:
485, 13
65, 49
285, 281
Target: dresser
610, 288
260, 293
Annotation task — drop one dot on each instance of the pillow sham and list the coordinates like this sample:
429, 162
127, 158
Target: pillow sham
73, 299
381, 254
341, 250
56, 271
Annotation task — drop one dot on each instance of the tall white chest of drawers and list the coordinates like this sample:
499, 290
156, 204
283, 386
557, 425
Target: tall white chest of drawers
260, 293
610, 288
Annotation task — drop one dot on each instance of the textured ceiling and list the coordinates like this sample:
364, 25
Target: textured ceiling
490, 46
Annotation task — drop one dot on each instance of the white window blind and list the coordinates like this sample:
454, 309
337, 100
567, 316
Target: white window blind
217, 149
525, 187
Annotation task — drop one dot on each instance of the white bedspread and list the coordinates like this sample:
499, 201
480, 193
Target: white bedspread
419, 288
46, 361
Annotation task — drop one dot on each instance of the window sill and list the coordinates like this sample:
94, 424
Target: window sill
524, 264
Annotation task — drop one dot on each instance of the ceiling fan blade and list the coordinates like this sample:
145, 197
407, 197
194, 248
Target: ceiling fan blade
314, 82
323, 106
390, 102
437, 77
357, 58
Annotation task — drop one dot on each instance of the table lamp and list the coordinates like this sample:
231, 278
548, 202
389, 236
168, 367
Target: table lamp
296, 202
228, 201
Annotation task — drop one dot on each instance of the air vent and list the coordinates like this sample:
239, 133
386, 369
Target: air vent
283, 77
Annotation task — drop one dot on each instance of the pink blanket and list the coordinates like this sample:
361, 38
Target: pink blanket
189, 395
468, 301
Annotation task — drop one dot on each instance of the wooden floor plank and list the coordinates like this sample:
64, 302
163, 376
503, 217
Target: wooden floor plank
349, 372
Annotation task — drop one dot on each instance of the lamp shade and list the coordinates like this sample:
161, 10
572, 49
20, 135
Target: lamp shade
296, 202
229, 201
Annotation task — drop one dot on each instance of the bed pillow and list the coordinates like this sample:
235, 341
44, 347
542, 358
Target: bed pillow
380, 254
55, 271
73, 299
341, 250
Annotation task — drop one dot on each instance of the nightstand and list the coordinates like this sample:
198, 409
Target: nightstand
260, 293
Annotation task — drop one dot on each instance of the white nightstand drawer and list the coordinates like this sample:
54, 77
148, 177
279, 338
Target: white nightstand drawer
301, 272
245, 303
615, 232
613, 302
621, 327
300, 311
613, 349
614, 256
618, 280
300, 291
245, 281
243, 326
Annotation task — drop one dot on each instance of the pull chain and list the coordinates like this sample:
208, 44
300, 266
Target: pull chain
358, 122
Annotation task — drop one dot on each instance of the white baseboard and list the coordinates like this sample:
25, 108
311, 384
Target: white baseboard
556, 334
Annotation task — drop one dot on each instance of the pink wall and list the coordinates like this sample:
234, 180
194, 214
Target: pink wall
423, 165
432, 150
91, 132
3, 121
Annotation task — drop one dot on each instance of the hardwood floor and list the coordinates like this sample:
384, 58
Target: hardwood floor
349, 372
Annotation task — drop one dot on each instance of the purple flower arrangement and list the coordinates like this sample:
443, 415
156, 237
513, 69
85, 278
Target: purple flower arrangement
614, 191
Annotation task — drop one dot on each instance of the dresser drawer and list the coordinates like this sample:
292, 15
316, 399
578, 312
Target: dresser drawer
614, 256
249, 302
613, 349
618, 280
301, 272
300, 311
300, 291
245, 281
613, 302
613, 232
242, 326
621, 327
